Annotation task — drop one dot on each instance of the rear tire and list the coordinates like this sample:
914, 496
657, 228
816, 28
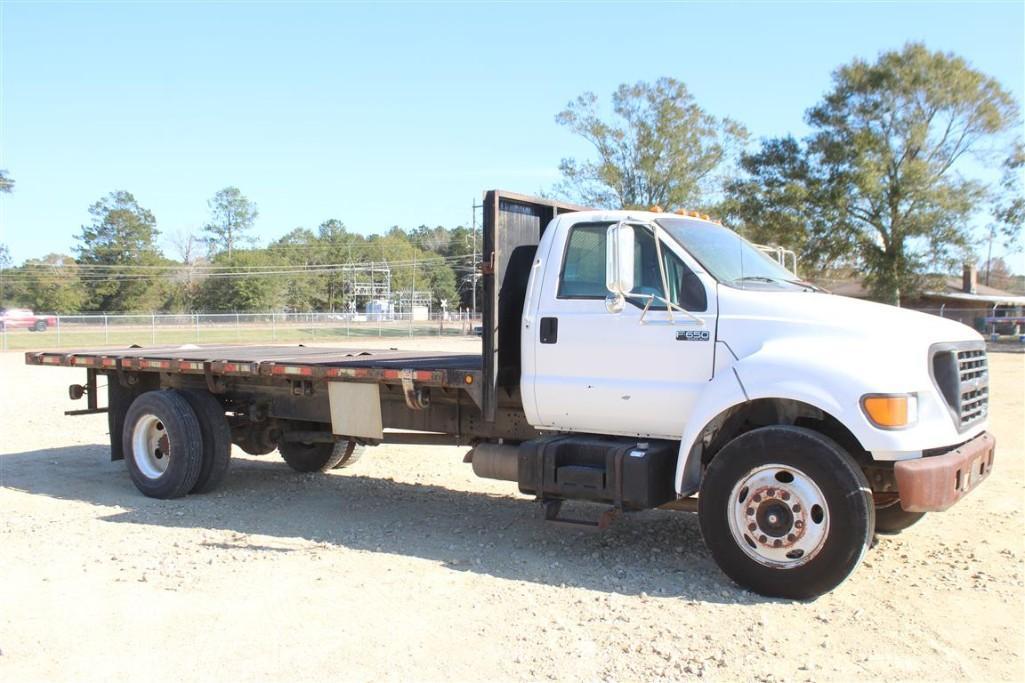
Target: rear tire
216, 440
786, 512
893, 519
163, 444
349, 455
313, 457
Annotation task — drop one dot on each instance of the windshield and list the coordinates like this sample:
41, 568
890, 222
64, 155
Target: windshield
727, 256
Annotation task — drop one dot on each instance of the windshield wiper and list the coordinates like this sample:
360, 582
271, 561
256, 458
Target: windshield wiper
806, 285
758, 278
778, 280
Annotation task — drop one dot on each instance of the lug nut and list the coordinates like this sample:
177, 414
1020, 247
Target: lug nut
777, 543
752, 526
796, 508
799, 524
791, 538
784, 495
757, 498
750, 511
770, 492
762, 538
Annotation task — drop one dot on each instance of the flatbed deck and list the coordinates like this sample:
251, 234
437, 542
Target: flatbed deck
432, 367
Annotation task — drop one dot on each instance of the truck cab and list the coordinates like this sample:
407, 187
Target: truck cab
781, 401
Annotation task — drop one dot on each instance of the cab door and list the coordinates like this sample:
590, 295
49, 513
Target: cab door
630, 372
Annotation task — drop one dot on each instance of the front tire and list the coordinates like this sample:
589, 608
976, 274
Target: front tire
163, 444
786, 512
39, 326
893, 519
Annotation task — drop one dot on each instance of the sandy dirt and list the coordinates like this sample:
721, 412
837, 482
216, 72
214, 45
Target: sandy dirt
408, 567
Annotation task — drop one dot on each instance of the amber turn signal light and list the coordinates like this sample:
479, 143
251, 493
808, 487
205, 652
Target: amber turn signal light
890, 411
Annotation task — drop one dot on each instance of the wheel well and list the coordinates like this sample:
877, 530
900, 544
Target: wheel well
765, 412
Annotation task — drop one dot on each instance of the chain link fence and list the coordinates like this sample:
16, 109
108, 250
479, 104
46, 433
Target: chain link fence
985, 321
84, 331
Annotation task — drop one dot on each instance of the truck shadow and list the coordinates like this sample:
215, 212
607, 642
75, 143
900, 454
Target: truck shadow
657, 552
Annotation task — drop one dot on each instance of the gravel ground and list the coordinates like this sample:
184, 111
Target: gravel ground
408, 567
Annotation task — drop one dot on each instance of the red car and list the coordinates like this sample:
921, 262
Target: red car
13, 318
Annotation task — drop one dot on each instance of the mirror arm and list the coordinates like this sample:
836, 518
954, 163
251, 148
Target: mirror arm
669, 307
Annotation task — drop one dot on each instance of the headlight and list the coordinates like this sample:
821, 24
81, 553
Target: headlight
890, 411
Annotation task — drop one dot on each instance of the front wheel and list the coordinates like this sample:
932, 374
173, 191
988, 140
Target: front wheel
786, 512
39, 326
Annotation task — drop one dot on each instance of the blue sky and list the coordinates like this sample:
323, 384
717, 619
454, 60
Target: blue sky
384, 114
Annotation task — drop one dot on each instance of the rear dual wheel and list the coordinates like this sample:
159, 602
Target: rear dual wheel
176, 443
319, 456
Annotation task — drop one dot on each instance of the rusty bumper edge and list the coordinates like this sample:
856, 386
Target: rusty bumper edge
936, 482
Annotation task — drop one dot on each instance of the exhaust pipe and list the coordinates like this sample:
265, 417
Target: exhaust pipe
496, 461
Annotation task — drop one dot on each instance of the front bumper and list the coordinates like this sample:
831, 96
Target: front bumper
934, 483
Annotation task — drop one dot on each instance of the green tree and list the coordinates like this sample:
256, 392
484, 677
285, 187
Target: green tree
6, 185
231, 217
462, 258
1009, 206
303, 291
339, 246
119, 250
441, 281
888, 137
5, 266
50, 284
243, 284
661, 148
878, 179
781, 200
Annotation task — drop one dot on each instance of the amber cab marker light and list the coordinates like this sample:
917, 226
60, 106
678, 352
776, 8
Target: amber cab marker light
890, 411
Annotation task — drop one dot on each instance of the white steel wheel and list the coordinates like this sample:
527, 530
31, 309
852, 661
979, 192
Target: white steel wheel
151, 447
786, 512
163, 444
778, 516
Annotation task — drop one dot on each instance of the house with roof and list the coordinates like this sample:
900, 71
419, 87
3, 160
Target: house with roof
987, 309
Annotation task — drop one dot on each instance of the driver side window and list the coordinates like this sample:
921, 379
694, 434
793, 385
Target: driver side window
583, 271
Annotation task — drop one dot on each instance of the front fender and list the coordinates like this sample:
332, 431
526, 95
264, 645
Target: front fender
831, 378
723, 392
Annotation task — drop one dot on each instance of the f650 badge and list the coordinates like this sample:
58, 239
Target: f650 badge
693, 335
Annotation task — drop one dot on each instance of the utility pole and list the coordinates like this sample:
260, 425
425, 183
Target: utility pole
412, 294
989, 256
473, 269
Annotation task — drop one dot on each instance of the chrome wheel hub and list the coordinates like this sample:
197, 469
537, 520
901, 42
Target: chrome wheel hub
151, 449
778, 516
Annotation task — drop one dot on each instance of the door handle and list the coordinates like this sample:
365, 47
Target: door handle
549, 330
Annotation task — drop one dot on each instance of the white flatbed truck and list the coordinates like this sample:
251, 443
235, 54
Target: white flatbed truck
630, 358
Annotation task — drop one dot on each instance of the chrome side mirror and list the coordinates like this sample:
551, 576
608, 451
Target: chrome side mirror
619, 265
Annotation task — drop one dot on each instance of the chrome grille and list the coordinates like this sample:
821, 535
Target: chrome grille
962, 376
973, 372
